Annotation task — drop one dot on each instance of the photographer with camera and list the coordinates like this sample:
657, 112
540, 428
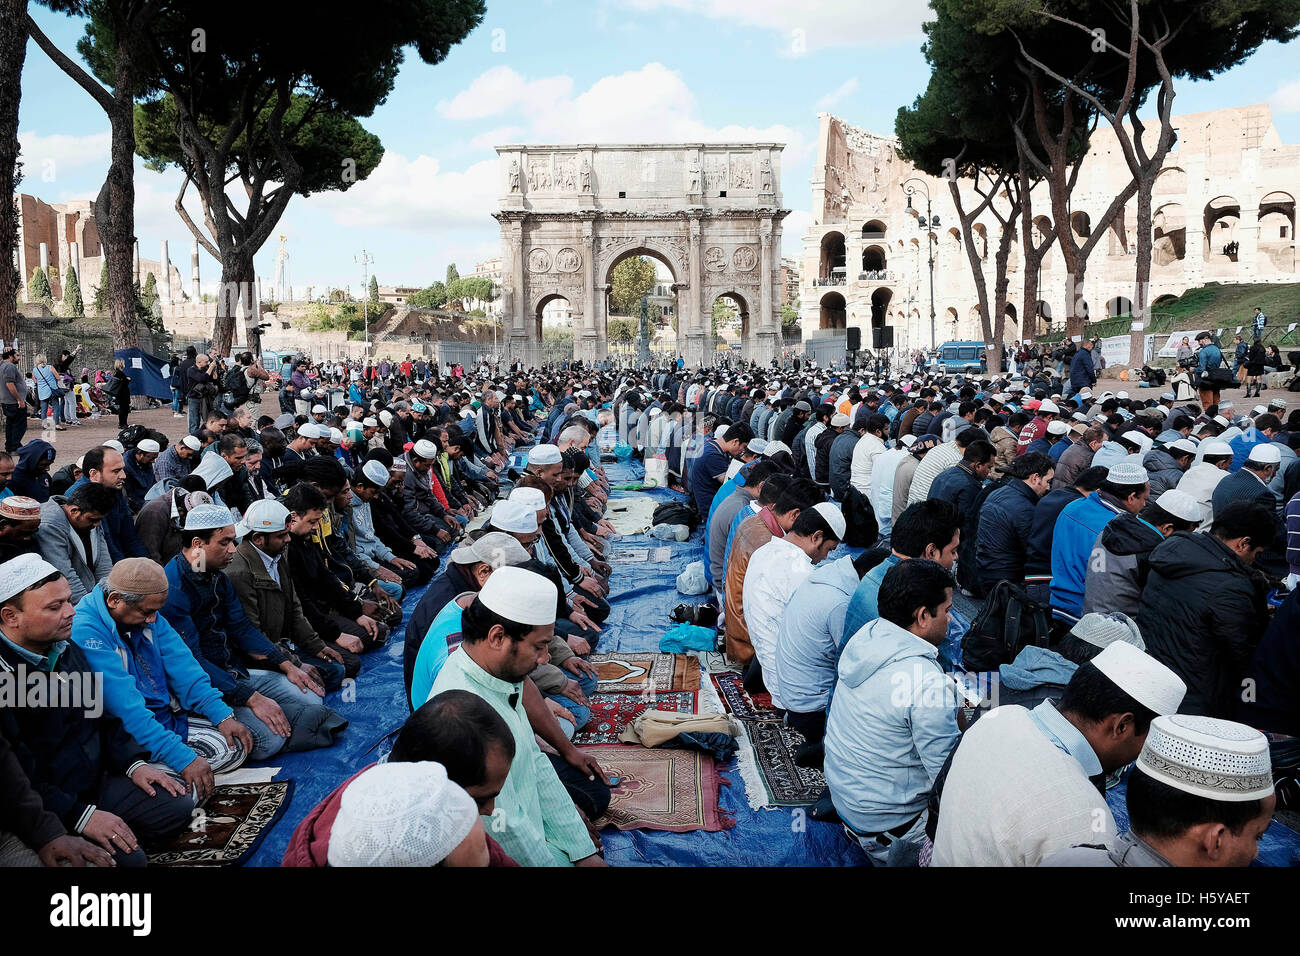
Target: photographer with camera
203, 386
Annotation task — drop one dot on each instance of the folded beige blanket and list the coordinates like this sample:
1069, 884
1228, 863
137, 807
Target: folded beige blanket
652, 727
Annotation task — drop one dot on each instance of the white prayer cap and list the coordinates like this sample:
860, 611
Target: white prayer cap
1104, 629
425, 449
319, 410
205, 517
400, 814
1126, 472
1142, 677
1265, 454
1050, 406
775, 448
1221, 421
523, 597
1258, 410
1057, 427
192, 443
656, 411
720, 433
757, 445
148, 445
264, 516
213, 469
1086, 392
834, 517
370, 422
1277, 403
1185, 445
1180, 504
336, 436
1122, 395
496, 548
116, 445
908, 440
838, 419
514, 516
385, 418
531, 497
375, 472
1168, 397
1208, 757
1211, 448
544, 455
20, 573
310, 430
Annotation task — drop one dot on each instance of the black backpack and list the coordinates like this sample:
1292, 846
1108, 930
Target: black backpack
1009, 621
236, 385
676, 512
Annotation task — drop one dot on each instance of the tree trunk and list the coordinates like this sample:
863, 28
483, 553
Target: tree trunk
13, 50
1142, 283
235, 292
1000, 282
118, 233
972, 256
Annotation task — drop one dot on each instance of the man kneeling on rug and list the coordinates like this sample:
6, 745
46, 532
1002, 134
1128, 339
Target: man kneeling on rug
152, 683
506, 632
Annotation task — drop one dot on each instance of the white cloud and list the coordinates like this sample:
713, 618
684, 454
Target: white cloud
1286, 99
810, 26
501, 89
847, 88
46, 156
496, 137
417, 194
793, 228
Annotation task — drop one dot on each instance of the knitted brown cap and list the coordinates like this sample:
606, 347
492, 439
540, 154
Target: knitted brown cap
138, 576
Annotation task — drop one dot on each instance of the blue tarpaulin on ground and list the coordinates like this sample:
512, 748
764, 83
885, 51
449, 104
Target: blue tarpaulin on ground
641, 597
149, 376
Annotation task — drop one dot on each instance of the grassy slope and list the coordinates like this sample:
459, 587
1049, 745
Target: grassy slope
1217, 306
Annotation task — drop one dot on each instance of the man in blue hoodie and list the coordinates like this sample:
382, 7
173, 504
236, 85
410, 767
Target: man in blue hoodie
893, 717
152, 683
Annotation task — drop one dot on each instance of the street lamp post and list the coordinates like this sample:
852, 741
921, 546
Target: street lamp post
365, 258
927, 223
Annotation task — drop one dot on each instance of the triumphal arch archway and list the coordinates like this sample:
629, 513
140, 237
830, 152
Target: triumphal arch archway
710, 212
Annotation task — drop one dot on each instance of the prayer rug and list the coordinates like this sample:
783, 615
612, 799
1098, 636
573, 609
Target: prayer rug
662, 789
741, 702
610, 713
227, 828
786, 784
637, 672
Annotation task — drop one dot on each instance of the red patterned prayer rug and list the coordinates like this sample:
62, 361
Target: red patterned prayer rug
662, 789
610, 713
639, 672
742, 703
227, 828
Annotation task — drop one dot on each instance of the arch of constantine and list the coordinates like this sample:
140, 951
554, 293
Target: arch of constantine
709, 212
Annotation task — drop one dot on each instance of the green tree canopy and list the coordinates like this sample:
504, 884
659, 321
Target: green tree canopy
633, 278
39, 287
452, 274
432, 297
72, 303
374, 290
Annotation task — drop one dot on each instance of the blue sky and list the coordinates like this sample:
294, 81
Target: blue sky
564, 71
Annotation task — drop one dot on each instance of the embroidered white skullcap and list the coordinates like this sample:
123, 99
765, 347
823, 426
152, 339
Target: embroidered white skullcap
1057, 427
376, 472
370, 422
400, 814
1214, 448
775, 448
1126, 472
834, 517
1104, 629
336, 436
1142, 677
524, 597
213, 469
1208, 757
20, 573
1180, 504
425, 449
1185, 445
1265, 454
319, 410
757, 445
838, 419
1049, 406
148, 445
496, 548
192, 443
386, 418
532, 497
264, 516
205, 517
116, 445
514, 516
544, 455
